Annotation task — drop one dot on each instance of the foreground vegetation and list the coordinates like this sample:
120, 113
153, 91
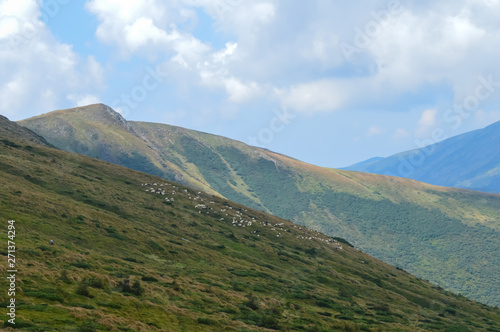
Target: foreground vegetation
125, 258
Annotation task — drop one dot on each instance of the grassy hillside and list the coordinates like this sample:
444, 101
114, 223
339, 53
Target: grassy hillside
11, 129
470, 160
448, 236
99, 132
133, 252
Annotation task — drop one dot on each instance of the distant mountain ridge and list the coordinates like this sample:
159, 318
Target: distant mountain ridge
470, 161
449, 236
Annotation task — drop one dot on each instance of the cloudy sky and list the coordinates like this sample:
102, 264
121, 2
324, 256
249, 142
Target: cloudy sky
329, 82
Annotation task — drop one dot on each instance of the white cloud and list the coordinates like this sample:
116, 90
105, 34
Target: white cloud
223, 56
214, 73
238, 15
420, 46
441, 43
38, 72
150, 27
321, 47
27, 10
257, 13
239, 92
147, 27
374, 131
142, 31
320, 96
428, 120
82, 100
288, 52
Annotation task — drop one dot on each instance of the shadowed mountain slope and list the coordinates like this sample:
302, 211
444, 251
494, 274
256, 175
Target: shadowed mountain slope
11, 130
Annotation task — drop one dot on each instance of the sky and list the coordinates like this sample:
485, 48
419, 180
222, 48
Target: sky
328, 82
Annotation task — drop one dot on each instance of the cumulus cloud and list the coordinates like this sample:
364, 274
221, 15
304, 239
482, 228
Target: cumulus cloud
282, 51
238, 16
213, 72
320, 96
428, 118
419, 49
151, 27
291, 52
147, 27
427, 122
420, 45
37, 71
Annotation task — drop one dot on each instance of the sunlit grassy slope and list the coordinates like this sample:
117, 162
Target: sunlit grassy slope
448, 236
134, 252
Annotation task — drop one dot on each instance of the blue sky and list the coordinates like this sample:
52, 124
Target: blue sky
328, 82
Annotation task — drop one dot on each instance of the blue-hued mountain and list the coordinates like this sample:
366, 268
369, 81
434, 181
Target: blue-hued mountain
470, 160
446, 235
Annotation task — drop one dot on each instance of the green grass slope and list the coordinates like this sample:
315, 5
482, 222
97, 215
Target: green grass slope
99, 132
134, 252
11, 129
448, 236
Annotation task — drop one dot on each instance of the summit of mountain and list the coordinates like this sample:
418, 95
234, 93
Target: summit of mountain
95, 113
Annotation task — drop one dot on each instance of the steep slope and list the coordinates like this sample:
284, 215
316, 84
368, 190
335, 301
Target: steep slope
100, 132
10, 130
133, 252
470, 161
448, 236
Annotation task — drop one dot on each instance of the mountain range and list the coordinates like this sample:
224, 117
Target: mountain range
446, 235
470, 160
101, 247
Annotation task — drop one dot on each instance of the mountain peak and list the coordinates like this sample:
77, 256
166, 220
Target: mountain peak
98, 113
85, 129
